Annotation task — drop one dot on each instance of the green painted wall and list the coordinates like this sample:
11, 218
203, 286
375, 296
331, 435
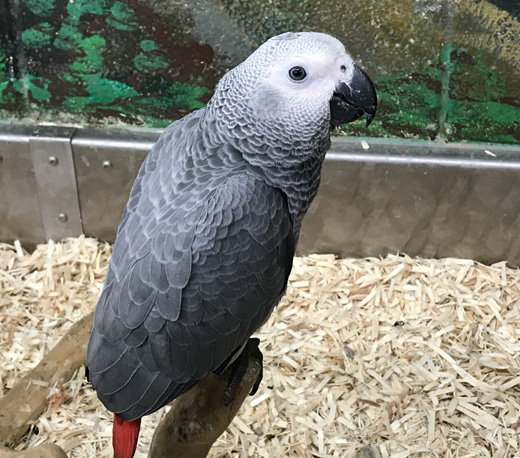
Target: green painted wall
444, 69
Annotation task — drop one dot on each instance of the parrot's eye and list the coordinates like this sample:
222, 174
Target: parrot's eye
297, 73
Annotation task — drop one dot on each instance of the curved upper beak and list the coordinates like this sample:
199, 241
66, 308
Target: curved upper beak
350, 101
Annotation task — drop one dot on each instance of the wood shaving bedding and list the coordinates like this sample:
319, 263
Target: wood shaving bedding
413, 357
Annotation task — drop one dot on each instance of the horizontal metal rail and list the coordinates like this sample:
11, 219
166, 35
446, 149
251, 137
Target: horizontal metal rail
377, 196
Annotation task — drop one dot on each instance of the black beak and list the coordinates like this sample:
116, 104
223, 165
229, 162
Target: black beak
350, 102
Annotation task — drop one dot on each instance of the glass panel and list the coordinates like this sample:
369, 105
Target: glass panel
483, 103
444, 69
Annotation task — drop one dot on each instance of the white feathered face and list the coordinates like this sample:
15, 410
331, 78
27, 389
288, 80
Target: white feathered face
321, 82
303, 79
296, 85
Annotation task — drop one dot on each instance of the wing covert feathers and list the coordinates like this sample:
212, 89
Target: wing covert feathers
198, 265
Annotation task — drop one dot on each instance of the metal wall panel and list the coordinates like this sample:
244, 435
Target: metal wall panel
20, 216
56, 179
106, 164
418, 198
421, 198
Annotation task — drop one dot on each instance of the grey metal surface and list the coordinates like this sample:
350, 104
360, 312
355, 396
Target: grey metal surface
104, 188
19, 204
420, 198
56, 180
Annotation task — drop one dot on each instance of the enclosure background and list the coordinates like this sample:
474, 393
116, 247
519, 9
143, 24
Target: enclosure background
444, 69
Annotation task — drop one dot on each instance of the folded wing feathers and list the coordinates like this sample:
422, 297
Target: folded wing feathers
190, 283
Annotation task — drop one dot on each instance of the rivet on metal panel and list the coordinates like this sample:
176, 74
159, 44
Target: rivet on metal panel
57, 187
107, 164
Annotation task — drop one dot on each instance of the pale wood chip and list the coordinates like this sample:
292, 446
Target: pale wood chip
416, 357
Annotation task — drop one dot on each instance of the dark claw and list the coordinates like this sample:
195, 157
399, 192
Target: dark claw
238, 369
255, 387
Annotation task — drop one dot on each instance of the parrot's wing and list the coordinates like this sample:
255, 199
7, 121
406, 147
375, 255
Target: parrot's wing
194, 288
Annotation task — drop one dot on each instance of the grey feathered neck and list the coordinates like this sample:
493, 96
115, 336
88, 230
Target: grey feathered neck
285, 150
277, 156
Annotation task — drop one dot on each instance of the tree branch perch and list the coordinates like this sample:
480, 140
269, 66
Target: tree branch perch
189, 429
199, 417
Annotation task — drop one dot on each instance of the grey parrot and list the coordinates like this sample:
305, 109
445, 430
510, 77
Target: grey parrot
206, 241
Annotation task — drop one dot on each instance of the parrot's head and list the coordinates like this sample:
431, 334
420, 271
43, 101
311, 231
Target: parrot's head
298, 84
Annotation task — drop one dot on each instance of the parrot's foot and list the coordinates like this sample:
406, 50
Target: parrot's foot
239, 367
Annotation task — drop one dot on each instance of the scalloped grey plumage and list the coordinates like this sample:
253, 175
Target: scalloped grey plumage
206, 241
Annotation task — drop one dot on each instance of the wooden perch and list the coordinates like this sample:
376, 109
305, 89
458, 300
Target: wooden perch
42, 451
29, 398
195, 421
199, 417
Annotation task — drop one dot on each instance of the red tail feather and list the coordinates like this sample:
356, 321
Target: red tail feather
124, 437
